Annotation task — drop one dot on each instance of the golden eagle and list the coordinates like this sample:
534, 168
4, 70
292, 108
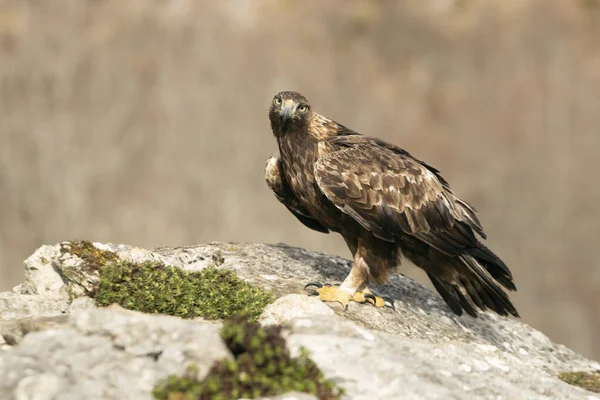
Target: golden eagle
386, 204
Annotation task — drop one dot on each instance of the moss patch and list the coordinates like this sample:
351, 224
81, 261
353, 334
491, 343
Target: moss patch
262, 366
155, 288
587, 380
93, 258
83, 278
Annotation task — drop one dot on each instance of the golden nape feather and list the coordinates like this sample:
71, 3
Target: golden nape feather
386, 204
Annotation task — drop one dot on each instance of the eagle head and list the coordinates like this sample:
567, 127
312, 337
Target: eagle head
289, 111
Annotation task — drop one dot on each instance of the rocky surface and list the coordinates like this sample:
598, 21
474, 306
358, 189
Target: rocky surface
106, 353
54, 343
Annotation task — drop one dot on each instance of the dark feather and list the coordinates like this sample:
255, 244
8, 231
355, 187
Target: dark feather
380, 197
308, 221
498, 300
448, 293
283, 193
407, 197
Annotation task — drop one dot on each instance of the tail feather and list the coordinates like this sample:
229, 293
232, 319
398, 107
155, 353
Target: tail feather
448, 293
473, 286
493, 264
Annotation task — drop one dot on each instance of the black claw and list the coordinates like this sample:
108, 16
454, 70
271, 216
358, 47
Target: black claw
370, 297
388, 302
316, 284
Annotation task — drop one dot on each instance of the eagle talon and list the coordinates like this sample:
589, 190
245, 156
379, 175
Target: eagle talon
388, 302
367, 297
315, 284
372, 298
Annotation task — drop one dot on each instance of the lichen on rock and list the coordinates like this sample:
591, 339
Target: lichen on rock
82, 274
588, 380
94, 258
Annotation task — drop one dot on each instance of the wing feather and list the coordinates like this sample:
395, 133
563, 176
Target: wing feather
391, 193
284, 194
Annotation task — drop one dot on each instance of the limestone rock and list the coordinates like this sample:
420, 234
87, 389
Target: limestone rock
13, 305
3, 344
42, 271
374, 364
55, 338
291, 396
14, 330
82, 303
106, 353
286, 308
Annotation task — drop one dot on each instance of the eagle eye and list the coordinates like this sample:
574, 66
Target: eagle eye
303, 108
277, 101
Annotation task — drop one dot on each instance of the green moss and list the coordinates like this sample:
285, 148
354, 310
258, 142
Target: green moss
153, 287
588, 380
261, 366
93, 258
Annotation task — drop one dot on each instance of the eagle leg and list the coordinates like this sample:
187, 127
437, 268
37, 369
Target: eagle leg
327, 292
354, 288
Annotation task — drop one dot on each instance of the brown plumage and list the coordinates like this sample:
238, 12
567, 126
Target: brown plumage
386, 204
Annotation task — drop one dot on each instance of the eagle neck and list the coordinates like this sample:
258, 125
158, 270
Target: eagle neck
296, 143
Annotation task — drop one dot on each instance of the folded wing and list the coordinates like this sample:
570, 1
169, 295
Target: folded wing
394, 195
391, 194
283, 193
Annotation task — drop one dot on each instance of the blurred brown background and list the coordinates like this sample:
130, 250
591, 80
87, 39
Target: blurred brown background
145, 122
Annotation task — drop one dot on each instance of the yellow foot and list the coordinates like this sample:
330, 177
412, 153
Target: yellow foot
334, 293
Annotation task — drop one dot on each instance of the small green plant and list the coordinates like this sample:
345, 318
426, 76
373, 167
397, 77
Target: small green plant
155, 288
588, 380
261, 366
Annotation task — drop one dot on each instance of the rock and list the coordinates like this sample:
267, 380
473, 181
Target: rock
363, 361
82, 303
40, 387
108, 353
42, 271
286, 308
3, 344
291, 396
13, 305
55, 337
14, 330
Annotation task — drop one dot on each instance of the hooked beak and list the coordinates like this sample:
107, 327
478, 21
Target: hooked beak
287, 111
